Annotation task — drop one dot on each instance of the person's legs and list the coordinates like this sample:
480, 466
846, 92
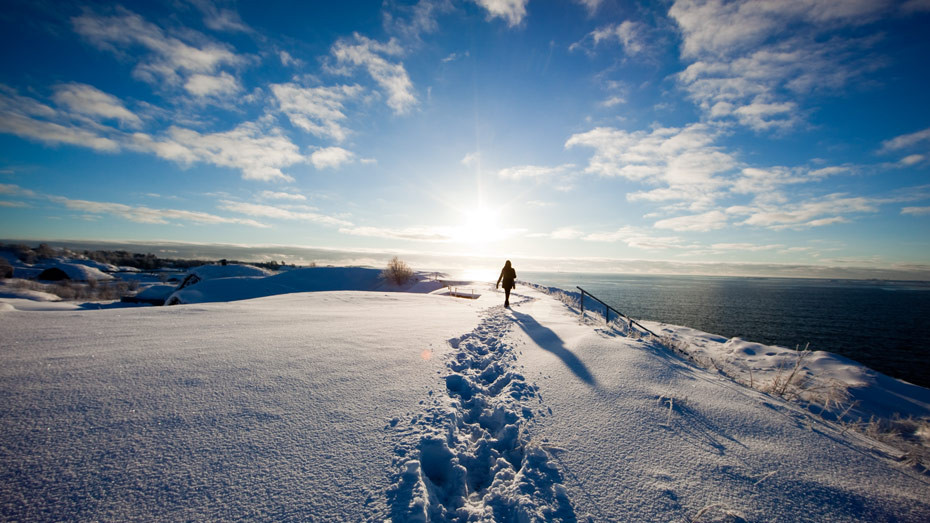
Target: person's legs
506, 296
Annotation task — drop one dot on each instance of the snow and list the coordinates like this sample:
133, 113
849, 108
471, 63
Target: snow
354, 404
77, 271
231, 285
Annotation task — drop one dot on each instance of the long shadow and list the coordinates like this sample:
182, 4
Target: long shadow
550, 341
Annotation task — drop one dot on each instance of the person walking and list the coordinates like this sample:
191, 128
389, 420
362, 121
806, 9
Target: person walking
508, 276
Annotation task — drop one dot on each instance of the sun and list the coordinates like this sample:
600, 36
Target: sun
479, 226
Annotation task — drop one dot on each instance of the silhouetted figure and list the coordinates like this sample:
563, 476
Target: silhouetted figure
508, 276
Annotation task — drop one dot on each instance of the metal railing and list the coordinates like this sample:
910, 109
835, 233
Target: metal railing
608, 308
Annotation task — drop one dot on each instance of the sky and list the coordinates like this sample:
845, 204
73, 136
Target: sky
670, 136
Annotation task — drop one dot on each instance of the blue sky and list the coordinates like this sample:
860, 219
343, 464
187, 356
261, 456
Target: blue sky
568, 135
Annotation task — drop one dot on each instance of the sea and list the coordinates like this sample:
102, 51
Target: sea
884, 325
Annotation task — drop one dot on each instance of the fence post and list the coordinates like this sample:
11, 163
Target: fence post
582, 305
606, 314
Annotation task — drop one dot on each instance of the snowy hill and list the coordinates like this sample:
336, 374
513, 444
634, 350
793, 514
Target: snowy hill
355, 406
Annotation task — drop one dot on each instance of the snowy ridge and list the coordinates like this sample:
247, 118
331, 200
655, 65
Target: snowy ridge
469, 457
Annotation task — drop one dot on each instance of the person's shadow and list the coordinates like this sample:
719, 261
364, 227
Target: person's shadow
550, 341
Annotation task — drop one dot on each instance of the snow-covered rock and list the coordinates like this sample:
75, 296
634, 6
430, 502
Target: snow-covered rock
76, 271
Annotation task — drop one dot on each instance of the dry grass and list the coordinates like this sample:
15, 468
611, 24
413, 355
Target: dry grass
77, 291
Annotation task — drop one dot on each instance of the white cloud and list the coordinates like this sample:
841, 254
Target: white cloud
535, 172
423, 234
149, 215
269, 211
512, 11
471, 159
317, 110
331, 157
684, 160
916, 211
272, 195
202, 85
220, 19
259, 153
749, 247
90, 101
590, 5
911, 159
630, 35
53, 134
637, 238
9, 189
816, 212
391, 77
613, 101
758, 181
745, 65
170, 60
906, 141
413, 21
566, 233
704, 222
27, 118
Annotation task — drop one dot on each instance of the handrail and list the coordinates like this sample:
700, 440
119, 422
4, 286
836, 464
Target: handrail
608, 308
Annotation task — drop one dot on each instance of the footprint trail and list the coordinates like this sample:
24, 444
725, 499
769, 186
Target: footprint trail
469, 456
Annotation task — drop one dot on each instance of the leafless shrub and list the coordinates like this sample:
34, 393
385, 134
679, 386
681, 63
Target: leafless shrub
397, 271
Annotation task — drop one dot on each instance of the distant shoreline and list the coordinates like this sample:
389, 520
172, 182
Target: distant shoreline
454, 263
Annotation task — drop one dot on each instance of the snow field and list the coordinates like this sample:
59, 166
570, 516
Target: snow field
640, 434
270, 409
354, 406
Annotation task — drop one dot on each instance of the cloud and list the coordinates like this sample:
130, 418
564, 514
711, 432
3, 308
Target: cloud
471, 159
331, 157
411, 22
590, 5
752, 180
258, 153
916, 211
27, 118
631, 36
682, 159
149, 215
204, 85
423, 234
566, 233
905, 141
220, 19
535, 172
704, 222
816, 212
279, 213
9, 189
912, 159
272, 195
90, 101
317, 110
636, 238
745, 66
748, 247
512, 11
170, 60
360, 51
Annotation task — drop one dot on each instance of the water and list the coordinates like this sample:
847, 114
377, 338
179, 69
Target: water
882, 324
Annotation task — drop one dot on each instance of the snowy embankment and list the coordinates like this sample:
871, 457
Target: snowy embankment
349, 406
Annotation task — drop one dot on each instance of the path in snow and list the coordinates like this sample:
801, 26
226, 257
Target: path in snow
469, 456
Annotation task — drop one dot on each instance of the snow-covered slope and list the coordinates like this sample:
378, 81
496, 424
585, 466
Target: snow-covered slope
354, 406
